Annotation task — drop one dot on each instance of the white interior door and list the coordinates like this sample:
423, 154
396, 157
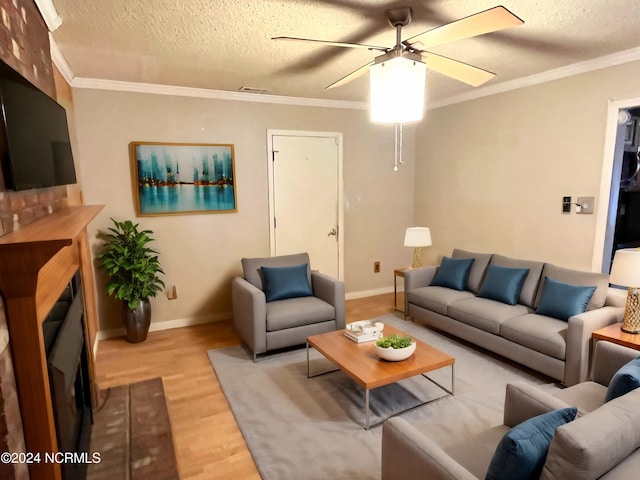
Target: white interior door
306, 197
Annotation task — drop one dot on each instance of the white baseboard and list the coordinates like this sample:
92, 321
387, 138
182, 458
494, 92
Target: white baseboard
167, 325
369, 293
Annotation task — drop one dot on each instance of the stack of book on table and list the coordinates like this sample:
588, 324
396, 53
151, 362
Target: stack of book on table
364, 331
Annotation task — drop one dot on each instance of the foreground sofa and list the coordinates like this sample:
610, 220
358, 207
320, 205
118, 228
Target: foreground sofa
556, 347
602, 443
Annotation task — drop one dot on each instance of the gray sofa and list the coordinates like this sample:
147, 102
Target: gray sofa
266, 326
603, 442
554, 347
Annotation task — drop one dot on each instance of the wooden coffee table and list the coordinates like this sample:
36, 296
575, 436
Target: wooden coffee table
361, 362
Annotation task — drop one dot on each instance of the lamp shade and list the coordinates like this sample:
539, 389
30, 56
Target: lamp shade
417, 237
397, 90
625, 270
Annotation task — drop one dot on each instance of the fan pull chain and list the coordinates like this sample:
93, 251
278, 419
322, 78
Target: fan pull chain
398, 148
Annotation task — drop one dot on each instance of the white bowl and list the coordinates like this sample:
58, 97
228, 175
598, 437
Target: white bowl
396, 354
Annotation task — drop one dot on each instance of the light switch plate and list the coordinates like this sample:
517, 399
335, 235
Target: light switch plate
585, 204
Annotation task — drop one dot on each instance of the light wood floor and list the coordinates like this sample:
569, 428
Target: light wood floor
207, 441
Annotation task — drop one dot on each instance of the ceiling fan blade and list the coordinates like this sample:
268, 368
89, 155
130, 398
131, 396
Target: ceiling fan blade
463, 72
333, 44
492, 20
352, 76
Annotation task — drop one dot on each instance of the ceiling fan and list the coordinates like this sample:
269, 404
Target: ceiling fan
413, 48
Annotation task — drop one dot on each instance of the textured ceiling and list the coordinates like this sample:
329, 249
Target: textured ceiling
226, 44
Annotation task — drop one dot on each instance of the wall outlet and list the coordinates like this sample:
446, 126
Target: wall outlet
566, 204
376, 267
172, 293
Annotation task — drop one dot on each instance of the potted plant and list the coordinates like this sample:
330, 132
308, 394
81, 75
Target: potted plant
395, 347
133, 270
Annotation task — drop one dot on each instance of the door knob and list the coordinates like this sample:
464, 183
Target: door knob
333, 231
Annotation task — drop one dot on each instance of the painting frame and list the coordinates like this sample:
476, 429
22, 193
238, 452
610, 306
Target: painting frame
183, 178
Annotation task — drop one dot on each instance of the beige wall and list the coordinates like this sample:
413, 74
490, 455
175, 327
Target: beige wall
201, 253
491, 173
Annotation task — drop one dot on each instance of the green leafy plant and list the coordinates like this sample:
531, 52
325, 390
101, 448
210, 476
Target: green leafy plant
132, 266
394, 341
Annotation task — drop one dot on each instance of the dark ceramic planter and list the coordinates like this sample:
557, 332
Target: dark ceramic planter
136, 322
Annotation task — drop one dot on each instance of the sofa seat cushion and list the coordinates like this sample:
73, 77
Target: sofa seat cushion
538, 332
484, 313
587, 396
295, 312
475, 452
436, 299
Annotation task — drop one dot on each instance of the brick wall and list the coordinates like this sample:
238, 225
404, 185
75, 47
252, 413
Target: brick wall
24, 45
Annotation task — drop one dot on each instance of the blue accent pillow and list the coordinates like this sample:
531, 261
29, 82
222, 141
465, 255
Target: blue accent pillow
453, 273
627, 378
522, 451
503, 283
286, 282
563, 300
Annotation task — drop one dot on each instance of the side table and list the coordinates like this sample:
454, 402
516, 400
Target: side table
398, 272
614, 334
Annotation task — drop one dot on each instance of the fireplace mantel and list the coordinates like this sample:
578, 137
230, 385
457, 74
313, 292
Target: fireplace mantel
36, 264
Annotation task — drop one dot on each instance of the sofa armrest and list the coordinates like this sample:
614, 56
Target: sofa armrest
408, 454
331, 291
417, 278
250, 314
578, 350
523, 401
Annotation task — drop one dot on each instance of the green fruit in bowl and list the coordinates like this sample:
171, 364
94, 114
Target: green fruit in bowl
394, 341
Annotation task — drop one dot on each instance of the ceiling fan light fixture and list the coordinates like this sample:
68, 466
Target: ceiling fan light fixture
397, 89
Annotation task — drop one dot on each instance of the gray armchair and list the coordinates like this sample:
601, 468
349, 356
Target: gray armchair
266, 326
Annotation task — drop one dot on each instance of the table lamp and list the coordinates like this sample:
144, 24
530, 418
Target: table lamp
417, 237
625, 271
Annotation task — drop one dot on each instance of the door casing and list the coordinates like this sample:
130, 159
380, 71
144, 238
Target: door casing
340, 188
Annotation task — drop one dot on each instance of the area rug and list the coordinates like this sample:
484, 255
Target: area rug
132, 433
312, 428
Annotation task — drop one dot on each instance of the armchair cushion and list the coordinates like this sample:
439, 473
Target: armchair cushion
522, 451
286, 282
627, 378
453, 273
563, 300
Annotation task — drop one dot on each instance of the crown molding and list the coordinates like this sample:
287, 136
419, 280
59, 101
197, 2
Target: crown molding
59, 61
49, 14
116, 85
618, 58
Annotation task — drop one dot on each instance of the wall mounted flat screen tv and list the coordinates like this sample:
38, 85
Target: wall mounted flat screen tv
35, 146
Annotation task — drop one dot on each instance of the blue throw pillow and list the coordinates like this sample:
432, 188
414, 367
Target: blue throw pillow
625, 380
286, 282
563, 300
503, 283
522, 451
453, 273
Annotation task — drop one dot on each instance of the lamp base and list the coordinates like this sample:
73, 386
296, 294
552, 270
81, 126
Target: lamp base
417, 257
631, 322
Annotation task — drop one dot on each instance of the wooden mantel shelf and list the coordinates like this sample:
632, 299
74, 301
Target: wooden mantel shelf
36, 263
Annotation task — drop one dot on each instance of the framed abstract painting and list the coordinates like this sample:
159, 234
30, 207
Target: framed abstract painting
183, 178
